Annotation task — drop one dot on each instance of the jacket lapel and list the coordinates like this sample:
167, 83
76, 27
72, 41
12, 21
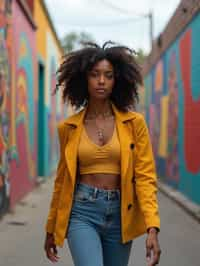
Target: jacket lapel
124, 146
124, 135
71, 150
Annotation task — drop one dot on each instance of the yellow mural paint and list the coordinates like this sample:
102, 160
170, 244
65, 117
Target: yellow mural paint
159, 77
163, 139
49, 50
44, 23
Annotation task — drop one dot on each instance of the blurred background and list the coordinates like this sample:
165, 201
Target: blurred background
34, 35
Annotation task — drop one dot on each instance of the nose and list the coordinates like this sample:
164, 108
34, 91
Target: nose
101, 79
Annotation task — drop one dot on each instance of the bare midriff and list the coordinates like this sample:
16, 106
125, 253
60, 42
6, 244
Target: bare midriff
103, 181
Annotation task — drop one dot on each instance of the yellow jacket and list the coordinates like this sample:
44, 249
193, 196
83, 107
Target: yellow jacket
139, 208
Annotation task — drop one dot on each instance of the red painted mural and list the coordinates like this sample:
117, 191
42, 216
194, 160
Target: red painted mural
191, 108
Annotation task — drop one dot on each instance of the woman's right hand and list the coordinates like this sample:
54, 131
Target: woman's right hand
50, 248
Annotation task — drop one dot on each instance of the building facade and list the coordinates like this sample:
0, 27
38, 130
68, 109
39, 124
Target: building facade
51, 109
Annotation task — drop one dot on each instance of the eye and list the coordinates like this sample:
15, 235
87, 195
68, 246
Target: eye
93, 74
109, 76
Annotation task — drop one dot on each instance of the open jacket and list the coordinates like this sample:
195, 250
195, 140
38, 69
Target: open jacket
139, 208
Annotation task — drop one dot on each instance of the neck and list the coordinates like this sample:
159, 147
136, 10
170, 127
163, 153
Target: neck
96, 107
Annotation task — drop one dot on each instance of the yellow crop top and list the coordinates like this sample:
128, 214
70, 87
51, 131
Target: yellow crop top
99, 159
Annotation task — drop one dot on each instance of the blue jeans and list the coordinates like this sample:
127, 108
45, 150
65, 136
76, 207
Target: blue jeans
94, 232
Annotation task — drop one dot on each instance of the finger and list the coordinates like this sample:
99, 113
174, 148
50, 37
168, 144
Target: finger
148, 252
156, 256
51, 255
52, 259
55, 249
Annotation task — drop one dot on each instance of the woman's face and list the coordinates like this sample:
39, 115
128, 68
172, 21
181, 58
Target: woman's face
101, 80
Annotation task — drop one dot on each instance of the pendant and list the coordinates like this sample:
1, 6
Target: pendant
100, 135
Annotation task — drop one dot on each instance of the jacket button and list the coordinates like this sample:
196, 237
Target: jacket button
133, 179
129, 206
132, 145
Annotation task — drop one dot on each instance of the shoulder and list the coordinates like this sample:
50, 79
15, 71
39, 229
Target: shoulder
68, 122
138, 122
137, 117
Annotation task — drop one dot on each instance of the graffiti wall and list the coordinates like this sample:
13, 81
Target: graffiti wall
29, 113
5, 92
23, 139
171, 103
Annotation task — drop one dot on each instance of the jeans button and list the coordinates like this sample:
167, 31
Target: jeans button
129, 206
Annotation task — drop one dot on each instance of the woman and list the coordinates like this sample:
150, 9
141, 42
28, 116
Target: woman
105, 188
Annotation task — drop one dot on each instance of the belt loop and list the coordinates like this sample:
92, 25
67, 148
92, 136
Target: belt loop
118, 194
95, 192
109, 193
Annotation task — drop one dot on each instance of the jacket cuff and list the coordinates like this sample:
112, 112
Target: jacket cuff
49, 227
157, 229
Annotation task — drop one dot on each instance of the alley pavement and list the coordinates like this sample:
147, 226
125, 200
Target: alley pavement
22, 234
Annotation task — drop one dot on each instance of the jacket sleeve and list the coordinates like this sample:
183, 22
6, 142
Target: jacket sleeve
145, 175
57, 183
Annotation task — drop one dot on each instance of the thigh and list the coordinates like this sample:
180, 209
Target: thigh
84, 244
116, 253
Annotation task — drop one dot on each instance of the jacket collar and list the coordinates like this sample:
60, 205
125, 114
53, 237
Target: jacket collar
77, 118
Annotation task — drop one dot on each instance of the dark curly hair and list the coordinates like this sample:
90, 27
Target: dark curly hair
72, 74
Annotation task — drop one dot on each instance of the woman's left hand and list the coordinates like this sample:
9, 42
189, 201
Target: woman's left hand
152, 248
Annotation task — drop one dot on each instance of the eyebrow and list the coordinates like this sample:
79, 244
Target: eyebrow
107, 71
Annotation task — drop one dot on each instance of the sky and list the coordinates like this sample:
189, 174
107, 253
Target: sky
122, 21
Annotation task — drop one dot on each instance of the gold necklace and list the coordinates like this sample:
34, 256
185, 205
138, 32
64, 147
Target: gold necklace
100, 131
100, 135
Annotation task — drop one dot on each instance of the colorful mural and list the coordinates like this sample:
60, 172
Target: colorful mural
29, 58
5, 90
24, 103
173, 112
172, 160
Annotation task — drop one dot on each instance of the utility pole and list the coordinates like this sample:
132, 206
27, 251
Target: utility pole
151, 28
149, 16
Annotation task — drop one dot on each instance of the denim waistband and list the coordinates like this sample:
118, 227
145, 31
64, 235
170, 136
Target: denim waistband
95, 191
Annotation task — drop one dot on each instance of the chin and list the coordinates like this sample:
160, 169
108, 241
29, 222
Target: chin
98, 97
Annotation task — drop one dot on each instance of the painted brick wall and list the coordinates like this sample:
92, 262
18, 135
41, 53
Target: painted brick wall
23, 141
22, 55
5, 104
49, 54
171, 104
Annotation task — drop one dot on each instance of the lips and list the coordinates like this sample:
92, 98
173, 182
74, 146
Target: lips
100, 90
